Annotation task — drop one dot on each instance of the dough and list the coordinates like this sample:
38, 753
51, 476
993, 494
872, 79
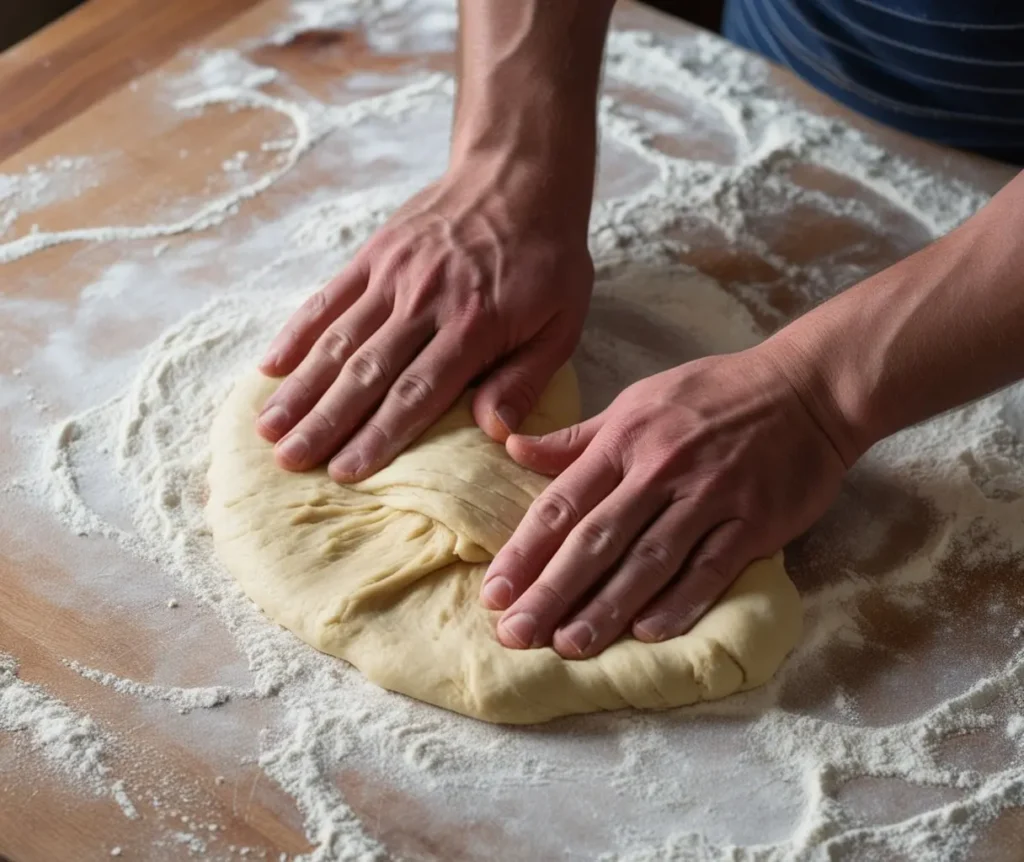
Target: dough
386, 573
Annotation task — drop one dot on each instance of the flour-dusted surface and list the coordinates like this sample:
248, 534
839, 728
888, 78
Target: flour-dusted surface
893, 732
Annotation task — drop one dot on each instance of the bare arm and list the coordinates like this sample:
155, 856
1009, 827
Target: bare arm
940, 328
528, 77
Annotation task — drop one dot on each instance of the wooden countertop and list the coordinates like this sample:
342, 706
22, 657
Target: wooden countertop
89, 53
62, 91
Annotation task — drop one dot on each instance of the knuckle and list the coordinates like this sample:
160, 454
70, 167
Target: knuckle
323, 419
664, 469
551, 597
295, 389
601, 608
711, 567
393, 270
468, 332
336, 346
314, 307
412, 390
617, 434
367, 368
419, 295
513, 561
572, 434
555, 512
520, 388
654, 556
596, 538
610, 456
376, 440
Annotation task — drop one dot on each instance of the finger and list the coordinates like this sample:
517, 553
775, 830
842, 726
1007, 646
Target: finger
317, 313
650, 563
548, 522
511, 391
591, 550
306, 385
362, 383
714, 565
552, 453
428, 387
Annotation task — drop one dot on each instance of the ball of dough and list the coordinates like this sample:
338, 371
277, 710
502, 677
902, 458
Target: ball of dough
386, 574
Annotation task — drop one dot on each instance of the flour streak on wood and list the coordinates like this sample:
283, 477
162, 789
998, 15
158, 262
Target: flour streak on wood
75, 320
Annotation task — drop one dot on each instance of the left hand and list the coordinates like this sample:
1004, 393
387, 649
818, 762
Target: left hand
484, 273
662, 500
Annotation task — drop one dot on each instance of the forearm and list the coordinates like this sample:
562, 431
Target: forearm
528, 79
943, 327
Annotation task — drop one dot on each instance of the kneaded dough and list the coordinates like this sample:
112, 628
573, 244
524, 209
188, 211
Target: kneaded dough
386, 573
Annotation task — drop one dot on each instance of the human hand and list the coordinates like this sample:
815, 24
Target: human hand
662, 500
486, 272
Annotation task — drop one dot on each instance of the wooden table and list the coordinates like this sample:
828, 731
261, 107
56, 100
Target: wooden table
97, 48
63, 91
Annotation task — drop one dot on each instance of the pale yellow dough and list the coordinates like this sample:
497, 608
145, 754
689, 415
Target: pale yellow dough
385, 574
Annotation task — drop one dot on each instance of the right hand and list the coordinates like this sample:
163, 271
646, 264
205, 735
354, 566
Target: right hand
485, 273
662, 500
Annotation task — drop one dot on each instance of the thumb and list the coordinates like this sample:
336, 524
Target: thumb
511, 391
552, 453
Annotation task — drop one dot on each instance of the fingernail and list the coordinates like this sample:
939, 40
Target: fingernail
497, 593
580, 634
275, 419
346, 464
294, 449
659, 627
508, 417
271, 359
521, 627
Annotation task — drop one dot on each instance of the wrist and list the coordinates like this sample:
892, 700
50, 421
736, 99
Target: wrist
539, 132
870, 360
533, 193
821, 389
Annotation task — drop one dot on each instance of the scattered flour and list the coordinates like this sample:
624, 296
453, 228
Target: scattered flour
386, 24
312, 121
71, 742
122, 799
185, 699
60, 178
210, 70
236, 162
769, 770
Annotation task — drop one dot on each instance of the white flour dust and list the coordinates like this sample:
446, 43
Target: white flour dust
72, 744
311, 121
58, 179
185, 699
745, 779
388, 26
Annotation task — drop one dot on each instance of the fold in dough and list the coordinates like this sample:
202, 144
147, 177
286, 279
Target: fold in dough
385, 574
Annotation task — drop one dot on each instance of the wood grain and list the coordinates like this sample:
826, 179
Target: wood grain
60, 595
91, 52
